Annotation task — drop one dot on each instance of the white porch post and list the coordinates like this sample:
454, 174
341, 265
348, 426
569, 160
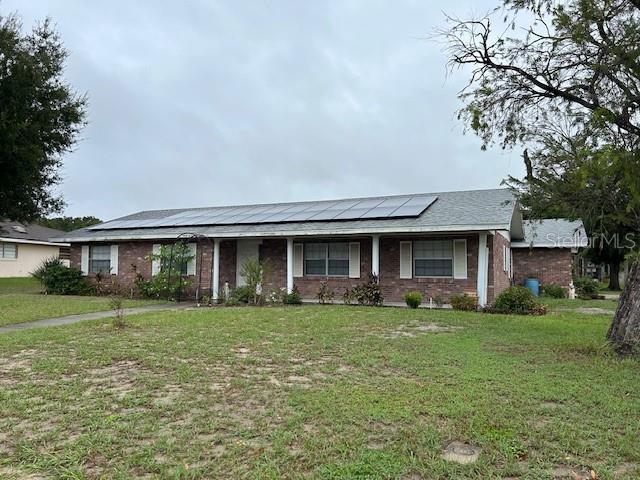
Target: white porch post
215, 274
289, 265
375, 255
483, 267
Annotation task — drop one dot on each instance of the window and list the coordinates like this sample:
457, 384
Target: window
433, 258
100, 259
326, 259
8, 251
183, 267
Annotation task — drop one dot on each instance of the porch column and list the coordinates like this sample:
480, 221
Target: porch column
375, 255
483, 267
289, 265
215, 273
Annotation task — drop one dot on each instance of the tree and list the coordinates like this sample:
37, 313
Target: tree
40, 119
67, 224
574, 67
569, 177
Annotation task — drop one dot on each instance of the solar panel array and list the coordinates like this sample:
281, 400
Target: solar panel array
392, 207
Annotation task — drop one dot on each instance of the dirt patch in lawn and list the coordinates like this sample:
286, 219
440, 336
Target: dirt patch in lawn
416, 329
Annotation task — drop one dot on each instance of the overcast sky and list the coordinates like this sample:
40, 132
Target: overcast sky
203, 103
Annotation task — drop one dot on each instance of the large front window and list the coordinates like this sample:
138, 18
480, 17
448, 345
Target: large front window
8, 251
100, 259
327, 259
433, 258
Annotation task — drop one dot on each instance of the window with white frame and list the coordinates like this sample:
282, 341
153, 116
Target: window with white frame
327, 259
433, 258
8, 251
100, 259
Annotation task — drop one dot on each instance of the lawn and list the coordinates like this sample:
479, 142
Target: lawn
318, 392
21, 301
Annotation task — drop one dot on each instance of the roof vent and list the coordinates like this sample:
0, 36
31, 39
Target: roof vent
19, 228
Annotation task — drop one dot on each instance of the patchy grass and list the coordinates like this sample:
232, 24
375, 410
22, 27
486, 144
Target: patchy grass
19, 285
566, 304
318, 392
25, 307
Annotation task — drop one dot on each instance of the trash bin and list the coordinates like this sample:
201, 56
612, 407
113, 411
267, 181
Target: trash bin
533, 284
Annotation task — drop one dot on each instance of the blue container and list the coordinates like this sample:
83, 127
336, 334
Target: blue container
533, 284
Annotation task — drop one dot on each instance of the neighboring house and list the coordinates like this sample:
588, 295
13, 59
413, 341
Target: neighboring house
438, 243
23, 247
548, 250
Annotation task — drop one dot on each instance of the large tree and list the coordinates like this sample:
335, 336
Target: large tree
546, 66
40, 119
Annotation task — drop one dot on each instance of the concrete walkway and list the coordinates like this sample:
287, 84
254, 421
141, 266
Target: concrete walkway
81, 317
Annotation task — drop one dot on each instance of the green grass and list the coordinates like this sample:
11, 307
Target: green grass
566, 304
26, 307
19, 285
317, 392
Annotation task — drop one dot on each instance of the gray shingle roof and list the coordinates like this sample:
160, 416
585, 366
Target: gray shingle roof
32, 232
553, 233
452, 211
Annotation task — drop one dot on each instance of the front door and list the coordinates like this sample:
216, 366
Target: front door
245, 249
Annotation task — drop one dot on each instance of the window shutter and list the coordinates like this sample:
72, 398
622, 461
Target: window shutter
155, 263
504, 258
354, 260
406, 260
84, 260
114, 260
193, 252
298, 253
460, 259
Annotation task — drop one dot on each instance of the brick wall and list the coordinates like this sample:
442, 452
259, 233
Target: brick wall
132, 259
549, 265
394, 288
308, 285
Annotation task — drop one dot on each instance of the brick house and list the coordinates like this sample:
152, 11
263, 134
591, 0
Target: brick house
439, 244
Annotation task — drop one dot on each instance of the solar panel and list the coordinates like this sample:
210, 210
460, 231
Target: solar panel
400, 206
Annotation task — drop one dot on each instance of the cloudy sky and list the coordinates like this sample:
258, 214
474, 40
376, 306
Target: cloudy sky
202, 102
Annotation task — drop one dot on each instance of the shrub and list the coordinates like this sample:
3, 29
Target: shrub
517, 300
554, 290
169, 282
293, 298
586, 287
242, 294
413, 299
439, 301
276, 296
58, 279
254, 272
368, 293
464, 301
325, 293
348, 296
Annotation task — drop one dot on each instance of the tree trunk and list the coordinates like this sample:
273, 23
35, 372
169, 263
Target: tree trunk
614, 275
624, 332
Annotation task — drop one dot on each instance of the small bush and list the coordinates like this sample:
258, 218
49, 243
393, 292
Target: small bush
554, 290
438, 300
413, 299
518, 300
368, 293
586, 287
325, 293
348, 297
242, 294
276, 296
58, 279
293, 298
464, 302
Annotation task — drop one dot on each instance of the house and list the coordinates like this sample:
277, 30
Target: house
23, 247
437, 243
548, 250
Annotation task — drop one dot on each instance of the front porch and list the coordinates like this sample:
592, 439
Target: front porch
438, 266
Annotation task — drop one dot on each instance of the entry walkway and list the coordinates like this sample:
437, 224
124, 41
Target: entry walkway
81, 317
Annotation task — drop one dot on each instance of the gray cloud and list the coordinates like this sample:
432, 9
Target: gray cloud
208, 103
